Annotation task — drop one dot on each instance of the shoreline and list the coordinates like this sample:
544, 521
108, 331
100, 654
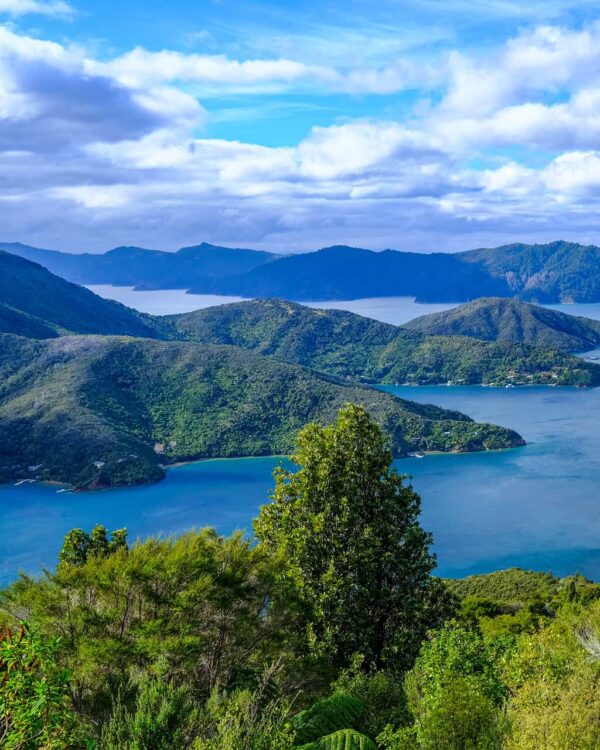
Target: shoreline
181, 464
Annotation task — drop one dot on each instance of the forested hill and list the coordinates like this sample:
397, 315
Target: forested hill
501, 319
36, 303
99, 411
350, 346
342, 272
553, 272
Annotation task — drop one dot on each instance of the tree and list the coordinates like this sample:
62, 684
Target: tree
161, 718
78, 545
345, 527
205, 607
35, 708
455, 694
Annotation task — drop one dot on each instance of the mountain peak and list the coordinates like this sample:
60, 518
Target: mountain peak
508, 319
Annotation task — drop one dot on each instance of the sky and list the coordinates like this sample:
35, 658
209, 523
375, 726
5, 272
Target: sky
429, 125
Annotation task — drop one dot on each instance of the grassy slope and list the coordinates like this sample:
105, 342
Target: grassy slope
36, 303
350, 346
504, 319
132, 403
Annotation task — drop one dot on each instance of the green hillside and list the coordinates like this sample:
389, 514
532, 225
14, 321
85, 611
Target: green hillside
99, 411
347, 345
505, 319
554, 272
36, 303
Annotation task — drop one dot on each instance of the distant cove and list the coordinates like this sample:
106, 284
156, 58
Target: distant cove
537, 507
395, 310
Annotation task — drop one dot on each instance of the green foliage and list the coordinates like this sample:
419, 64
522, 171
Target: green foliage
345, 526
38, 304
344, 739
508, 586
517, 601
456, 694
161, 718
35, 707
349, 346
78, 545
327, 716
381, 694
201, 605
245, 720
95, 412
462, 718
553, 677
498, 319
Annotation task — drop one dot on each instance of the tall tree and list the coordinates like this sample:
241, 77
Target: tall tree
346, 527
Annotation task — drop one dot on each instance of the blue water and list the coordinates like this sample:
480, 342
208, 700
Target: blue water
394, 310
536, 507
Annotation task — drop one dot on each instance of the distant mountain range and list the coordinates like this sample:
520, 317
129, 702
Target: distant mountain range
553, 272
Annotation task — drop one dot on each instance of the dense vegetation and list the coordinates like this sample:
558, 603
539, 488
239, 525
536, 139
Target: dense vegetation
554, 272
38, 304
501, 319
347, 345
328, 633
97, 411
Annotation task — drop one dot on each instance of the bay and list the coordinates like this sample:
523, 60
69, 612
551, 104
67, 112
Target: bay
536, 507
394, 310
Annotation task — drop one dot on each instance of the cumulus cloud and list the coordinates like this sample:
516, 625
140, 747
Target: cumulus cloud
96, 153
41, 7
141, 67
49, 100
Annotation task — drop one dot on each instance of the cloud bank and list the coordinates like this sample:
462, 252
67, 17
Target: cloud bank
496, 146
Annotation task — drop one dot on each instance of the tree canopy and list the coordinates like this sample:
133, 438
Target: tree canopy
346, 527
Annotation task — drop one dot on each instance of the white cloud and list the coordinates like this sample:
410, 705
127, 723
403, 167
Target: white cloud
574, 173
99, 153
141, 67
41, 7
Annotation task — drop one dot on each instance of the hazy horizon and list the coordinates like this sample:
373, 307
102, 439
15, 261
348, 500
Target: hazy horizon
239, 246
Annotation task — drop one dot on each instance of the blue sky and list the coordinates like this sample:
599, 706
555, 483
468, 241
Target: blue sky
423, 125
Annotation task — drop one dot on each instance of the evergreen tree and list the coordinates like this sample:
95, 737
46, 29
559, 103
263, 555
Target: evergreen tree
346, 528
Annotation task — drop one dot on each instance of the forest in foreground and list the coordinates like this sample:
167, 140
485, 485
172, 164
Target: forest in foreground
327, 631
